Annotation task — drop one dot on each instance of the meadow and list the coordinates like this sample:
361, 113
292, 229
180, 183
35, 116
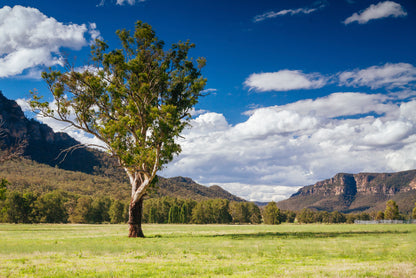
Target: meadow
287, 250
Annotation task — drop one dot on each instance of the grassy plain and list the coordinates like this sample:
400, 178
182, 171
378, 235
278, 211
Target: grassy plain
208, 251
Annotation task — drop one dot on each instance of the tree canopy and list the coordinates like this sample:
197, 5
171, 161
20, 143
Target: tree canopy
136, 100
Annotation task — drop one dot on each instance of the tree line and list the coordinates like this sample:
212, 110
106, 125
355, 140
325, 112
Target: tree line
66, 207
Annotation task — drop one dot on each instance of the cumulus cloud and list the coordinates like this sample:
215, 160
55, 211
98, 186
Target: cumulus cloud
388, 75
380, 10
284, 80
29, 39
279, 148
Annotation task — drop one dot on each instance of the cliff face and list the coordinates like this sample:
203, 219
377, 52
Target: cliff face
43, 145
356, 192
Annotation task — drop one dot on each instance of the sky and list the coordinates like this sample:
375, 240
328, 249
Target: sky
298, 90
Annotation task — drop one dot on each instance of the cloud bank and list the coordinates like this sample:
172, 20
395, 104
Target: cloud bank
280, 148
380, 10
29, 39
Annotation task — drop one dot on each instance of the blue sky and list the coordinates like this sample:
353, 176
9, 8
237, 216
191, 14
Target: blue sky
299, 90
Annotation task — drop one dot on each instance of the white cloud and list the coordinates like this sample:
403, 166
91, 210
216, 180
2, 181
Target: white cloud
388, 75
29, 39
272, 14
380, 10
284, 80
129, 2
259, 192
269, 15
280, 148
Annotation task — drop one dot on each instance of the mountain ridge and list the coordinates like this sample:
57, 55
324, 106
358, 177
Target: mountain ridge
356, 192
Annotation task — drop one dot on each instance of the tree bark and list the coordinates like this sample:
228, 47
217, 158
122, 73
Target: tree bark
135, 218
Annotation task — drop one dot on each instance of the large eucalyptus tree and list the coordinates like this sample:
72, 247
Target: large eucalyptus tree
136, 100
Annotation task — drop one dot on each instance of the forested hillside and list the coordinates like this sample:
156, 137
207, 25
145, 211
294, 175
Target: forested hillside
26, 175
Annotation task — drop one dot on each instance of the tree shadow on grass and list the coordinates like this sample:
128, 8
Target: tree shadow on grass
284, 235
306, 235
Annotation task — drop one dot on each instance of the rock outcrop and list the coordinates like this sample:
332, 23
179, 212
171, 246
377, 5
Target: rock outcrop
356, 192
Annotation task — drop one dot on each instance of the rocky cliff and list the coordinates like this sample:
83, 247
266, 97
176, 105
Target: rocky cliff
356, 192
43, 144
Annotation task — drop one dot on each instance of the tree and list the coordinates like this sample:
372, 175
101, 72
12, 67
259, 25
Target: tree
271, 214
392, 211
51, 208
414, 212
100, 209
116, 212
136, 100
254, 213
20, 207
3, 189
240, 212
337, 217
174, 214
82, 212
306, 215
380, 215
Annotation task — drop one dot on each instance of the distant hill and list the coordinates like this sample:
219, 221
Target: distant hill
180, 186
27, 175
84, 171
356, 193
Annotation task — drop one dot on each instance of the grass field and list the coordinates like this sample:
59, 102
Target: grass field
208, 251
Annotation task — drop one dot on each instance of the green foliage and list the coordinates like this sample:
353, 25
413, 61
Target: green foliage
271, 214
50, 208
82, 211
337, 217
3, 188
392, 211
19, 207
174, 214
116, 212
100, 208
379, 216
414, 212
306, 216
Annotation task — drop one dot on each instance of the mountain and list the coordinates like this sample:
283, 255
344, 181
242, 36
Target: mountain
43, 145
83, 171
356, 193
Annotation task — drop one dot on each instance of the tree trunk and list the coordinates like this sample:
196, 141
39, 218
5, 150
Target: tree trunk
135, 218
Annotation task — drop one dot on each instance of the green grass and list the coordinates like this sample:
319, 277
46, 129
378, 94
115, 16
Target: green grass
208, 251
